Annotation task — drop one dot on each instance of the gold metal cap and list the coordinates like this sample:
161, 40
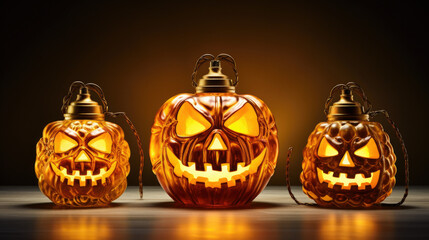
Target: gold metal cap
84, 107
346, 108
215, 80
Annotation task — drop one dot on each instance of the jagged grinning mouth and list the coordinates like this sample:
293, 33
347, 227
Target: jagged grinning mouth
62, 173
213, 178
346, 183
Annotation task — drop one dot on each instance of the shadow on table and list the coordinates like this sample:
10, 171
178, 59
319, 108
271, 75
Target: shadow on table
49, 205
253, 205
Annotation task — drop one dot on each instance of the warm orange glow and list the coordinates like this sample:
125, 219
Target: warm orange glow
370, 150
346, 183
190, 122
80, 228
62, 173
82, 157
102, 143
348, 180
63, 143
213, 178
85, 172
213, 166
347, 161
244, 121
211, 225
326, 150
217, 143
359, 226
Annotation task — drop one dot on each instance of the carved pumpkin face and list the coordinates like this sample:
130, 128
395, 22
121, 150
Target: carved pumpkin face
82, 163
217, 149
348, 164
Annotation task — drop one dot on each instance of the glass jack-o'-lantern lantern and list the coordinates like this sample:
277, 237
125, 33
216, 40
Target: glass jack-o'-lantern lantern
214, 148
349, 161
82, 161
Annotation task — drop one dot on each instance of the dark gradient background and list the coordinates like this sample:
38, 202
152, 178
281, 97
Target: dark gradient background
141, 54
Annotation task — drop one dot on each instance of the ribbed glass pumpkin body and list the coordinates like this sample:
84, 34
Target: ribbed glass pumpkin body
214, 149
82, 163
348, 164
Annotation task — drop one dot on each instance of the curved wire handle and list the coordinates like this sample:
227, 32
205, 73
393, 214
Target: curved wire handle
289, 154
352, 86
97, 89
208, 57
204, 58
404, 151
139, 144
228, 58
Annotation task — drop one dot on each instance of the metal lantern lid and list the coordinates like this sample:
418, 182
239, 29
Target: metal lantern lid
347, 109
84, 107
215, 80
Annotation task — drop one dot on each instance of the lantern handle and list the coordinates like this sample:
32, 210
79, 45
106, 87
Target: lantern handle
209, 57
139, 144
289, 154
79, 85
67, 98
404, 151
228, 58
352, 86
97, 89
204, 58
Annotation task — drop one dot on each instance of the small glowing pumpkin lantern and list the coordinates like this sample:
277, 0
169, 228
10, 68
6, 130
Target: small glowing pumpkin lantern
82, 161
214, 148
349, 161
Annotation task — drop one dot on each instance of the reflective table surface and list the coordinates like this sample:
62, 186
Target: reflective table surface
25, 213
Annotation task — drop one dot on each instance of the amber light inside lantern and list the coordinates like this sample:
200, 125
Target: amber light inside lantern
213, 178
346, 182
244, 121
190, 122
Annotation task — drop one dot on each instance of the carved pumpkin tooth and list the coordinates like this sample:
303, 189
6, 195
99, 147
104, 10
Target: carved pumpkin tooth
70, 182
231, 183
225, 167
93, 182
208, 167
82, 181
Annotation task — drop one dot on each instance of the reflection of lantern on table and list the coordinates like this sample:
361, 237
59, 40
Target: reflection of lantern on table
82, 161
214, 148
349, 161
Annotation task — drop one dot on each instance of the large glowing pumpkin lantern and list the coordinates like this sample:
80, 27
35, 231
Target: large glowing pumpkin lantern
214, 148
82, 161
349, 161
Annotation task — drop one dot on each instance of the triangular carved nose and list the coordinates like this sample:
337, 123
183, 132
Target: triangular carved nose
82, 157
217, 143
347, 161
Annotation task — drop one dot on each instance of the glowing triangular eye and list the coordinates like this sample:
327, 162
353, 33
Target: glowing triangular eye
63, 143
368, 151
102, 143
244, 121
190, 122
326, 150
